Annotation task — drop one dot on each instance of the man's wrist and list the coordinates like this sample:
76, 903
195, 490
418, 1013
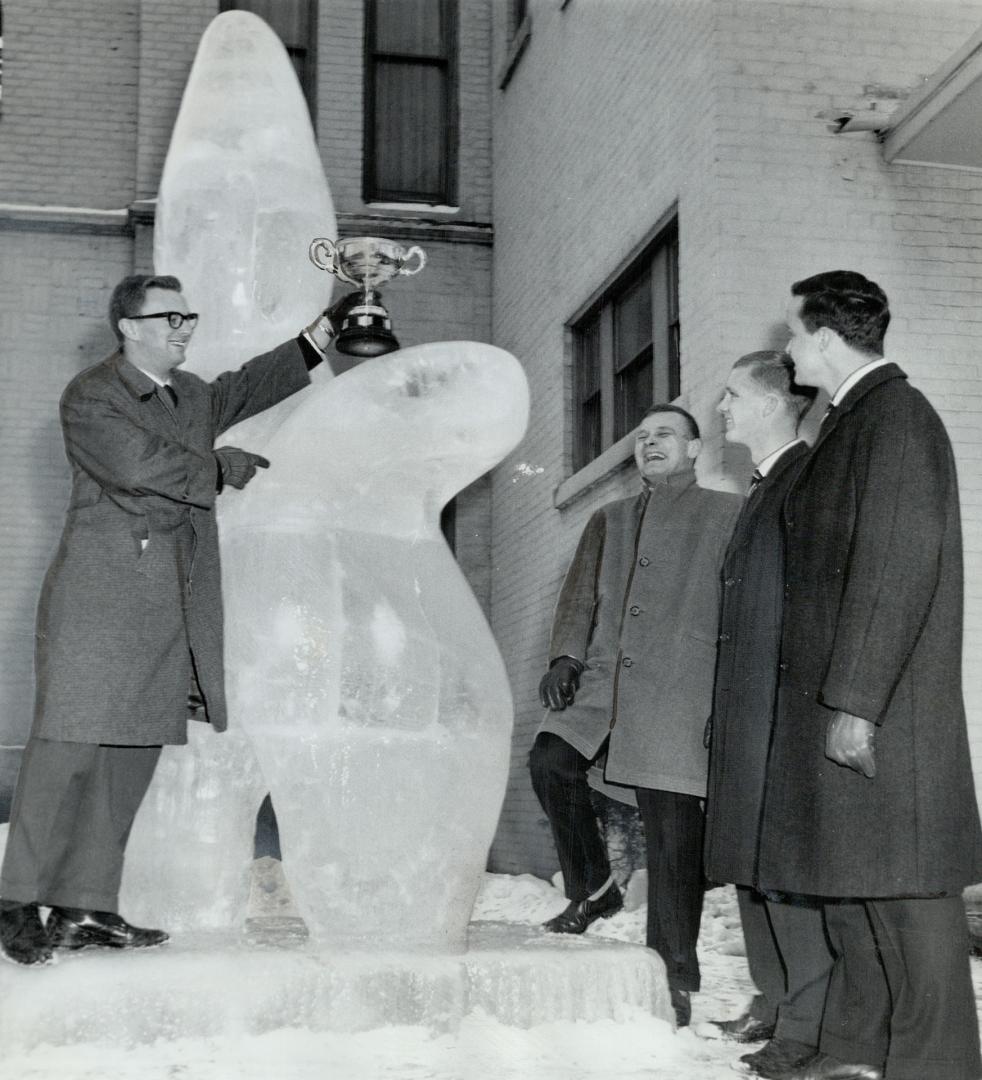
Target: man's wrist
320, 333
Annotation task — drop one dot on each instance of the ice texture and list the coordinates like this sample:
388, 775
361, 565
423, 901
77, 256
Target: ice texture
242, 194
359, 659
366, 691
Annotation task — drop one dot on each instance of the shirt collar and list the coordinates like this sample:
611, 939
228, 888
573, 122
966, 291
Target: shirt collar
765, 465
850, 380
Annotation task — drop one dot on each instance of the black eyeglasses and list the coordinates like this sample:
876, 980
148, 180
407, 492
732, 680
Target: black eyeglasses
176, 319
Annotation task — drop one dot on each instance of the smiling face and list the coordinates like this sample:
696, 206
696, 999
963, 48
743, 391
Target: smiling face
153, 344
664, 446
743, 407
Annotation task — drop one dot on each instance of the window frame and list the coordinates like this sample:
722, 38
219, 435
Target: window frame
597, 377
372, 192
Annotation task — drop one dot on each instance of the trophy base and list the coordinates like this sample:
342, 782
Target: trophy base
366, 341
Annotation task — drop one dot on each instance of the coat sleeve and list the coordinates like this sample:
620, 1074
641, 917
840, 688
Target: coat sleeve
903, 479
259, 384
121, 455
572, 624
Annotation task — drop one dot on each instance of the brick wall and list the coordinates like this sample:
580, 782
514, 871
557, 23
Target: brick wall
69, 102
713, 105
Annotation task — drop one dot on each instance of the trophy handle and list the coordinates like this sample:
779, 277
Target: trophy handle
327, 262
421, 257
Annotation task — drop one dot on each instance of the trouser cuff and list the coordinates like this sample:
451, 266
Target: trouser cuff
851, 1052
85, 901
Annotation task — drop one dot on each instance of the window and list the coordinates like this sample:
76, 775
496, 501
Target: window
410, 101
626, 348
294, 22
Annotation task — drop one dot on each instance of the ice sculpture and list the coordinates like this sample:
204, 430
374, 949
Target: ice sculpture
359, 659
366, 691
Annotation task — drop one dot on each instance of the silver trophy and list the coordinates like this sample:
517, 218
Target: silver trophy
366, 261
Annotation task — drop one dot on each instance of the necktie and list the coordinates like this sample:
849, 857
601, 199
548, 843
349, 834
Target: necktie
171, 394
755, 480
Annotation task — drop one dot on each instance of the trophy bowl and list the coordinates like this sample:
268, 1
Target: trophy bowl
366, 262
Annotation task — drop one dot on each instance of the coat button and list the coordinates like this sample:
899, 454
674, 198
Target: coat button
627, 661
724, 637
644, 560
635, 610
730, 581
783, 665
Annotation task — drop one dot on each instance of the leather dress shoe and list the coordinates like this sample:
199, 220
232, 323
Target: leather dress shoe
780, 1059
580, 913
682, 1004
75, 928
22, 935
746, 1029
826, 1067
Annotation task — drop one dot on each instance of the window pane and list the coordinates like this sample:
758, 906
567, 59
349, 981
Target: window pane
632, 321
409, 26
634, 388
410, 129
588, 437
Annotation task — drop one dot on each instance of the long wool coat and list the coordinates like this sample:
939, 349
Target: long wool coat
746, 676
131, 608
873, 626
639, 606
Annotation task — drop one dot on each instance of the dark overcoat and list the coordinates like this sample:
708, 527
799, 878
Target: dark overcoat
131, 606
746, 676
639, 606
873, 626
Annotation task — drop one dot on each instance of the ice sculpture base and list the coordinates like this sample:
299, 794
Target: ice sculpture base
210, 984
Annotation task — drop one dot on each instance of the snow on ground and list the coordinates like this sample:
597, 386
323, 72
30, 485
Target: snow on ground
637, 1047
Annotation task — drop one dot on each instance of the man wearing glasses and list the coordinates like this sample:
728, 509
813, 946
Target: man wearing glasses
129, 630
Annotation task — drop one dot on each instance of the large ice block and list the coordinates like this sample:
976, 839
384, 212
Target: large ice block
242, 195
366, 691
358, 657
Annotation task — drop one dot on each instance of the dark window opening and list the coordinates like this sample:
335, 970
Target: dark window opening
626, 349
410, 101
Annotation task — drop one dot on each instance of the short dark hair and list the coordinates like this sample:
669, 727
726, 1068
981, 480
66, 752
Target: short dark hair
774, 371
854, 307
689, 418
130, 293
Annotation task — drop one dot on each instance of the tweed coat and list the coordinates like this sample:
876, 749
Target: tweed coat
873, 626
639, 606
746, 676
131, 607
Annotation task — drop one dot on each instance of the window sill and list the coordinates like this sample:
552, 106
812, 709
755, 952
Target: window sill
609, 462
515, 49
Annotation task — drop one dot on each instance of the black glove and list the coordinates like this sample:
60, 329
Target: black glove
326, 326
560, 683
237, 467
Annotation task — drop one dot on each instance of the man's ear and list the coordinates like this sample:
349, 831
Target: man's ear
771, 402
129, 329
693, 448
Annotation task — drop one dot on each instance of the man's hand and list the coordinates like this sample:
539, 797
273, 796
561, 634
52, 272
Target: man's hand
560, 683
325, 327
237, 466
849, 742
